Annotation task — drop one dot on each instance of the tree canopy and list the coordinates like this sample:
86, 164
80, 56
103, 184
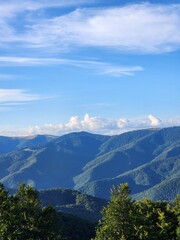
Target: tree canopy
23, 217
127, 219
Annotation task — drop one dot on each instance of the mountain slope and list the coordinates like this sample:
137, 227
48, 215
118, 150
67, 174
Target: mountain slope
92, 163
52, 166
165, 167
73, 202
8, 144
129, 157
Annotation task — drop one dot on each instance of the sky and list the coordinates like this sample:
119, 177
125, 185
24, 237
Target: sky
104, 67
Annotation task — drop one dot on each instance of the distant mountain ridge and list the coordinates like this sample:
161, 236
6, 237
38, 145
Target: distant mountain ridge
8, 144
149, 160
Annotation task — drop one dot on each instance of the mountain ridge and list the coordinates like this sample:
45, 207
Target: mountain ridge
92, 163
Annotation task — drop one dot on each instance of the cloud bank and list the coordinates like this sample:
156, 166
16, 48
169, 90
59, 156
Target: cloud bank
103, 126
95, 124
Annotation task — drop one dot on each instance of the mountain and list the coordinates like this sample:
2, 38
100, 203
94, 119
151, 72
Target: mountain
73, 202
53, 165
143, 164
8, 144
145, 180
149, 160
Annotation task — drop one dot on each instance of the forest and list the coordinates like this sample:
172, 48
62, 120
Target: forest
22, 216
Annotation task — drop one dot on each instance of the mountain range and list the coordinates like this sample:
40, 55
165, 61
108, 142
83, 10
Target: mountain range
149, 160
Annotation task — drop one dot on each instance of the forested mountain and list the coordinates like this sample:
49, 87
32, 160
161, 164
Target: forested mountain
8, 144
149, 160
73, 202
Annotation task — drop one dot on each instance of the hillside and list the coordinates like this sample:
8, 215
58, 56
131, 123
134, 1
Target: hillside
8, 144
149, 160
73, 202
53, 165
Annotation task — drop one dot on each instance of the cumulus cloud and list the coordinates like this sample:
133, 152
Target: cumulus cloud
154, 121
122, 122
94, 124
144, 28
100, 125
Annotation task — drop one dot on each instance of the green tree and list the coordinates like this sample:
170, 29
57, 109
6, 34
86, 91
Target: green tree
154, 220
117, 217
177, 213
22, 216
6, 214
124, 219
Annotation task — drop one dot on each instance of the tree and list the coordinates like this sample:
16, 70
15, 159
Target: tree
154, 220
124, 219
177, 213
6, 214
117, 218
23, 217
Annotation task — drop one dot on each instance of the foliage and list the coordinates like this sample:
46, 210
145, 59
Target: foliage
154, 220
7, 210
117, 216
177, 213
22, 216
74, 228
137, 220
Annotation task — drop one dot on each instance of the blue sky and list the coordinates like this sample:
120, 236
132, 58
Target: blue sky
88, 66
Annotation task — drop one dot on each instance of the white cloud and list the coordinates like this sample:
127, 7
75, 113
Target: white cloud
9, 8
27, 61
32, 11
94, 124
119, 71
122, 122
15, 96
141, 28
154, 121
102, 126
98, 67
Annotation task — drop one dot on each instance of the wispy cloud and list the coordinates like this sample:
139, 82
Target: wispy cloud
32, 11
6, 77
16, 96
140, 28
98, 67
97, 124
10, 8
119, 71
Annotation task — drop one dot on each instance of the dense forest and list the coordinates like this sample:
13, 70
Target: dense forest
22, 216
148, 160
